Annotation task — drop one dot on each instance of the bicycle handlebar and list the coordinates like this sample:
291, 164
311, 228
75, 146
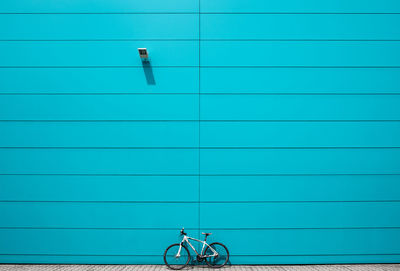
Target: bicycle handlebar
183, 231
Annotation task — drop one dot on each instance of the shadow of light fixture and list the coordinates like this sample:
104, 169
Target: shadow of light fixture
146, 64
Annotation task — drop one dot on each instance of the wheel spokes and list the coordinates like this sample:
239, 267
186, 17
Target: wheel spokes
176, 257
221, 255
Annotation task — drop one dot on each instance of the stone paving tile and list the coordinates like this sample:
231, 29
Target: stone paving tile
375, 267
336, 267
364, 267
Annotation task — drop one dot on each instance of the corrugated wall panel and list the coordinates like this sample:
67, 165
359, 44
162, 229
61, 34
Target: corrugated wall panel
98, 26
145, 161
99, 107
99, 6
311, 242
300, 134
146, 80
299, 80
300, 161
97, 215
300, 107
293, 136
294, 6
283, 115
301, 53
301, 188
289, 215
97, 188
99, 134
300, 26
101, 183
86, 242
96, 53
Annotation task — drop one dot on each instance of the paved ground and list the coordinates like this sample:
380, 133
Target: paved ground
348, 267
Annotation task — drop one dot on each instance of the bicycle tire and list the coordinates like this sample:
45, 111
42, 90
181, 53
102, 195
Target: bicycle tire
211, 260
176, 267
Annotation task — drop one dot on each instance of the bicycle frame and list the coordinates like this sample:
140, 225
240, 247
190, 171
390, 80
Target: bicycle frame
186, 239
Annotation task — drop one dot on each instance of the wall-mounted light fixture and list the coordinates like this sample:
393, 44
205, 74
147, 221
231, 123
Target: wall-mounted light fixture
144, 55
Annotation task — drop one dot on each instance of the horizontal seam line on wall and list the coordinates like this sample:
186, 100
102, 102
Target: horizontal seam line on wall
208, 228
201, 175
307, 13
99, 201
301, 67
159, 255
197, 148
91, 228
196, 202
327, 121
301, 201
271, 255
92, 67
100, 93
205, 121
298, 93
188, 39
104, 67
203, 93
294, 67
102, 13
100, 120
195, 13
283, 39
94, 40
163, 66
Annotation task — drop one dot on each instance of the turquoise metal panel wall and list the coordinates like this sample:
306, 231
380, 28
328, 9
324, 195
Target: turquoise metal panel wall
95, 146
293, 97
273, 124
285, 108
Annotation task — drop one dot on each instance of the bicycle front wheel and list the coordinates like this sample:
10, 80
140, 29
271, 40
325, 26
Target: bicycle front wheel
175, 261
219, 260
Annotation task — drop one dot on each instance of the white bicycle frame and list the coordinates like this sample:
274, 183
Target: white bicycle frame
186, 239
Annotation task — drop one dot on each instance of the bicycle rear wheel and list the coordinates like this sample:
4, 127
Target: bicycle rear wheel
221, 259
176, 262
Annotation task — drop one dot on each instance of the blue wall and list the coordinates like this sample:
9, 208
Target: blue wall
273, 124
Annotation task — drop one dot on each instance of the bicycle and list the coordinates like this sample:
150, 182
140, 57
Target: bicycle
177, 256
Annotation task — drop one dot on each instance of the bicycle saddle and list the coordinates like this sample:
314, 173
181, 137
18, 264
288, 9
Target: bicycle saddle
206, 233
